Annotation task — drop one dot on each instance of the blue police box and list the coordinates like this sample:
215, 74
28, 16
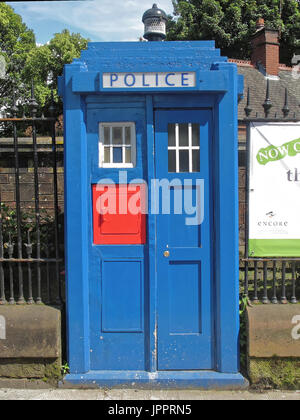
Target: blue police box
152, 294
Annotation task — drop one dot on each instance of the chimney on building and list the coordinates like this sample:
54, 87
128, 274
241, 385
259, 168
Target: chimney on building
265, 48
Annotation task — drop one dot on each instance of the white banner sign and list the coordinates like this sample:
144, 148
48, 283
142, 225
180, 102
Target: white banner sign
149, 80
274, 206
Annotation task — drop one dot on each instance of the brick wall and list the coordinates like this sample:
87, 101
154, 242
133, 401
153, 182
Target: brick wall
265, 46
45, 171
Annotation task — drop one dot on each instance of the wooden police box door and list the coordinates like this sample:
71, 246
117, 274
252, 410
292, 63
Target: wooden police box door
183, 144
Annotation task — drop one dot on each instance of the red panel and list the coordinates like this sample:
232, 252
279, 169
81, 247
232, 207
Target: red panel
117, 215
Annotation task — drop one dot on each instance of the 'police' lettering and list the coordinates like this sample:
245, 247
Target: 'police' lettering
132, 80
149, 80
144, 81
184, 79
167, 79
113, 78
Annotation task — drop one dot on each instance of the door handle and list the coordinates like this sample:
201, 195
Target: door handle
166, 254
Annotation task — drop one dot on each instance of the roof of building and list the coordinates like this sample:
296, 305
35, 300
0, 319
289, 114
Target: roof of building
256, 81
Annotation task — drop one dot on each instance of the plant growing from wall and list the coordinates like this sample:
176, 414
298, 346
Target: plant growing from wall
28, 228
244, 303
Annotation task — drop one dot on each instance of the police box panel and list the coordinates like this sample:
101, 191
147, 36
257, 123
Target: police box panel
117, 156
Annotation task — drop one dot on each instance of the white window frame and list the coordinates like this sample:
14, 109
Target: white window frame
190, 147
122, 125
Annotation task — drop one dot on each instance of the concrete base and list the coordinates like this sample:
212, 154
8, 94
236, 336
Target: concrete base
271, 331
274, 346
46, 369
30, 342
6, 383
157, 380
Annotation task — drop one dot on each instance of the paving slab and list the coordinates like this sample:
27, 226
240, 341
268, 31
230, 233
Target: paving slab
127, 395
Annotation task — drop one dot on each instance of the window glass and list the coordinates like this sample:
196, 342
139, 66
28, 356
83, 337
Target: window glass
117, 135
172, 160
127, 135
196, 161
128, 155
117, 145
184, 161
106, 154
171, 130
106, 135
196, 135
183, 134
184, 147
117, 155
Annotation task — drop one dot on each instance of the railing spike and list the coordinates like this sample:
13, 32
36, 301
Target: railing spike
14, 107
248, 108
33, 105
52, 107
268, 103
286, 109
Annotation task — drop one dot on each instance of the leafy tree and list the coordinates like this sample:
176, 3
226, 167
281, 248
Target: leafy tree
231, 23
27, 62
16, 40
45, 63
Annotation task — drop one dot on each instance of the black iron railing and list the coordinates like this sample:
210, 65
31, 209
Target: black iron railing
271, 280
30, 245
31, 248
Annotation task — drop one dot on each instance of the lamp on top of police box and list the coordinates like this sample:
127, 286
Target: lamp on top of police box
155, 21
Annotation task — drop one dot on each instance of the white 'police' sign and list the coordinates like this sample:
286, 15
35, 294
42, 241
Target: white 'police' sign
149, 80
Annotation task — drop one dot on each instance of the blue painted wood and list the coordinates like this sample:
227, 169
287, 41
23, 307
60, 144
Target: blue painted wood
122, 299
118, 100
226, 226
115, 338
206, 81
185, 310
151, 306
117, 114
174, 101
167, 380
76, 237
85, 82
118, 275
